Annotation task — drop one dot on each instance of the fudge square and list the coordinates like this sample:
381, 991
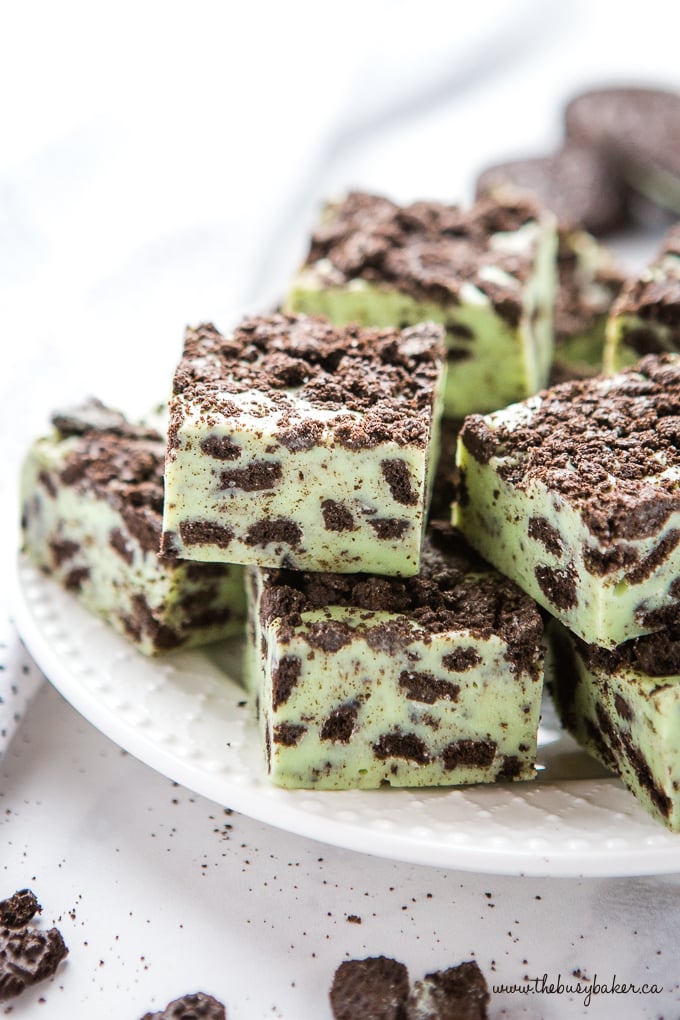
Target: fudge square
296, 443
92, 498
623, 707
575, 495
363, 681
645, 319
487, 273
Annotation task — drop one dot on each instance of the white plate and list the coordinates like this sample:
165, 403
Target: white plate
185, 715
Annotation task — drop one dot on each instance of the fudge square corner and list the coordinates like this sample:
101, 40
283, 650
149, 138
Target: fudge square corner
299, 444
575, 495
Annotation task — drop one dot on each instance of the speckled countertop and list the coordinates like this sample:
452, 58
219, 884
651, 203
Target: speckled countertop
149, 200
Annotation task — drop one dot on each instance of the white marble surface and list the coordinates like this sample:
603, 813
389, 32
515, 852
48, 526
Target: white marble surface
158, 168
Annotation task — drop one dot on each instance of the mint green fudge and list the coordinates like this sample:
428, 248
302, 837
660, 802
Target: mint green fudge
645, 318
487, 274
365, 681
623, 706
92, 498
590, 279
296, 443
575, 495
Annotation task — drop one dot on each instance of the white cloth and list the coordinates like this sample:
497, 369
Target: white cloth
160, 168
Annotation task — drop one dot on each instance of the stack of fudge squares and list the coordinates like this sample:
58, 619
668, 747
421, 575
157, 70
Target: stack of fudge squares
308, 460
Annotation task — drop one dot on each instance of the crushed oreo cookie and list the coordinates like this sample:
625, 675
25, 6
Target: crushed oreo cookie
454, 589
602, 445
386, 375
376, 987
426, 249
28, 954
195, 1006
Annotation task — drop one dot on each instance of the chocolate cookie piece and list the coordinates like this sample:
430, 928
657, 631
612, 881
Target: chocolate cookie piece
459, 993
637, 130
19, 909
576, 183
372, 989
195, 1006
27, 956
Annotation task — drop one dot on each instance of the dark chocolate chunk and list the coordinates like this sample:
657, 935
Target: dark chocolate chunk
328, 635
558, 586
19, 909
372, 989
658, 555
426, 687
221, 447
281, 530
478, 438
288, 734
401, 745
510, 768
340, 723
461, 659
144, 524
389, 527
257, 477
46, 479
469, 754
75, 578
543, 531
336, 516
62, 550
622, 707
205, 533
163, 637
398, 477
196, 1006
284, 678
119, 542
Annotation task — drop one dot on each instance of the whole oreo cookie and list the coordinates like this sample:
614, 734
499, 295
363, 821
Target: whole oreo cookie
637, 130
575, 183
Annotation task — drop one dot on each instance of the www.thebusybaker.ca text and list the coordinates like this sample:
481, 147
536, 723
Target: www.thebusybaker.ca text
544, 986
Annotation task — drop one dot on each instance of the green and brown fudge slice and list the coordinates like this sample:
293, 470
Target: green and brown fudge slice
645, 319
590, 278
92, 500
296, 443
575, 495
623, 707
486, 273
365, 681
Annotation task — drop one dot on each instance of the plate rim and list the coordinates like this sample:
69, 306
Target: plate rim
277, 807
